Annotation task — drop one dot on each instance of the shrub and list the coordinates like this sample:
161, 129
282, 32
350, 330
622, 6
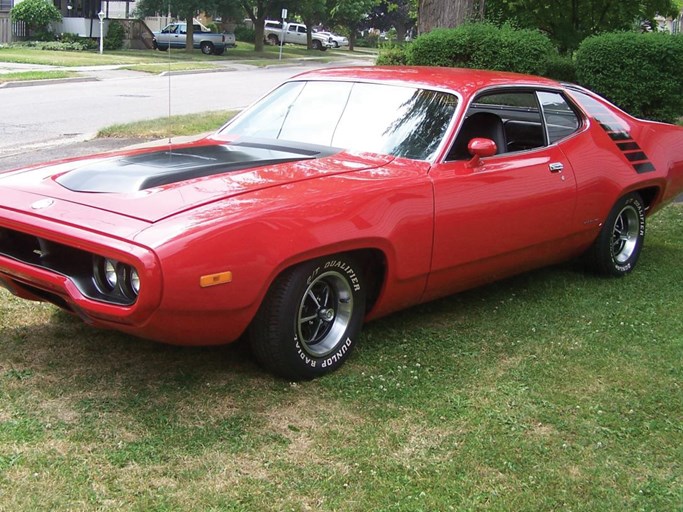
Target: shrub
562, 69
641, 73
68, 41
392, 55
116, 33
37, 14
370, 40
244, 34
484, 46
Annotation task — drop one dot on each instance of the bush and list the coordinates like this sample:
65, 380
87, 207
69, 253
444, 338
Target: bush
562, 69
37, 14
115, 36
484, 46
392, 55
68, 41
641, 73
244, 34
370, 40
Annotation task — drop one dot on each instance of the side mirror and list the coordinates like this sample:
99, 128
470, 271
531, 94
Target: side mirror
480, 148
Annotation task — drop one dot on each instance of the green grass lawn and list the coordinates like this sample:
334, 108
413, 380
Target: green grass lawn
554, 390
21, 76
174, 126
243, 52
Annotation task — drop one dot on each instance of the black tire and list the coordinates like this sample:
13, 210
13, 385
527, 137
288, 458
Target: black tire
206, 47
216, 51
316, 45
616, 250
311, 318
273, 40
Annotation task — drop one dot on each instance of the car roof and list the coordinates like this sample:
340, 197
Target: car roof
465, 81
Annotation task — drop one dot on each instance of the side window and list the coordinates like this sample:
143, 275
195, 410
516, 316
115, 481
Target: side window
560, 120
302, 30
512, 119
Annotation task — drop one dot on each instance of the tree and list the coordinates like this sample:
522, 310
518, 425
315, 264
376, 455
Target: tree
351, 14
398, 14
37, 14
259, 11
312, 12
448, 13
568, 22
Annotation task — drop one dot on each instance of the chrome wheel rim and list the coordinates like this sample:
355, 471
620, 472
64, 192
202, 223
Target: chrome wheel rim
625, 233
324, 314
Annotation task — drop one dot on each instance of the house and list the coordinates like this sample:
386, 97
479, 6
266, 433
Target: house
9, 30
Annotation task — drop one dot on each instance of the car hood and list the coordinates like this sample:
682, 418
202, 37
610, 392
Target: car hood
153, 184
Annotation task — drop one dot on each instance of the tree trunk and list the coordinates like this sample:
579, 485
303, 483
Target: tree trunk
309, 32
259, 24
352, 39
447, 13
189, 38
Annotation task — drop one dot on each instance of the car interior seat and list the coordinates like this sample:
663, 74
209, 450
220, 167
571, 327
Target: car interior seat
480, 124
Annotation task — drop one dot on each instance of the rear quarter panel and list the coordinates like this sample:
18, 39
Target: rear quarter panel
618, 154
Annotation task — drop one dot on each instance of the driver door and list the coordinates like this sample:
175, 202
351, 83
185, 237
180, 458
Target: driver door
510, 212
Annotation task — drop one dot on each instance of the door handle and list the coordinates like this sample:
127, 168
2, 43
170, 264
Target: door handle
556, 167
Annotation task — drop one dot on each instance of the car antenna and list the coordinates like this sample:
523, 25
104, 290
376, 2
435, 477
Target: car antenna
170, 141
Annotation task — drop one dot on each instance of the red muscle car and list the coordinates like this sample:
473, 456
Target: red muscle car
343, 195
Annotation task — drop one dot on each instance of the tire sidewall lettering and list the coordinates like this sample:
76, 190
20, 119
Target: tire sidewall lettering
341, 351
628, 265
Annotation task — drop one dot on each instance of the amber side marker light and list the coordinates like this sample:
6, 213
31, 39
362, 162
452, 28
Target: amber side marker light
214, 279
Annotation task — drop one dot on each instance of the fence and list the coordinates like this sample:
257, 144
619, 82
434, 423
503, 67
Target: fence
10, 31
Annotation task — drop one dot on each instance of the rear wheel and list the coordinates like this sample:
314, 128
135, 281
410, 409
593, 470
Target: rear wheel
272, 39
617, 248
206, 47
311, 318
216, 51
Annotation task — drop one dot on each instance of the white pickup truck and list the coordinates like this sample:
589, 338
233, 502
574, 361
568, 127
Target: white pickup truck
208, 42
294, 33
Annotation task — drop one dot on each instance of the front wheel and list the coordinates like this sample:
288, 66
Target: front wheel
207, 48
617, 248
311, 318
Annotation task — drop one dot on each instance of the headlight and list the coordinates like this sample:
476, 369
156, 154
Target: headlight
111, 279
115, 281
134, 281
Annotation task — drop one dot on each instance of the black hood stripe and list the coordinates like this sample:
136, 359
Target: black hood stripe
128, 174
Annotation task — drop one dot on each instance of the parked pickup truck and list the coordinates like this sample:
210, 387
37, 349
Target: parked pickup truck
208, 42
295, 33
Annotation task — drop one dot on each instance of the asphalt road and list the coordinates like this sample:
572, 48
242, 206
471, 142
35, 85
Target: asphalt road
42, 116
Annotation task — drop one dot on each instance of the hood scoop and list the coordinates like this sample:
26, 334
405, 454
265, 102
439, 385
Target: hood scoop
133, 173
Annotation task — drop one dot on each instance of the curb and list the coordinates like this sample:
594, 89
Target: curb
49, 81
196, 71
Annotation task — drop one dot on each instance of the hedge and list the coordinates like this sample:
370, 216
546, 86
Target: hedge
641, 73
484, 46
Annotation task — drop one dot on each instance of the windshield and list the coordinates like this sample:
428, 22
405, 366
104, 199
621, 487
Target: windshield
387, 119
